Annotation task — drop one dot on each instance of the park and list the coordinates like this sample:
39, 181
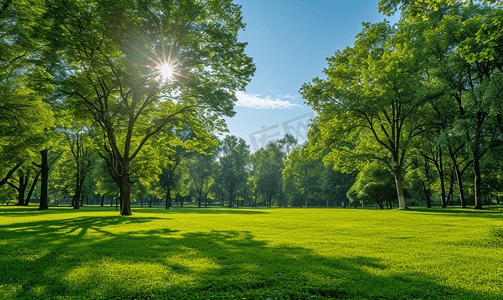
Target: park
126, 170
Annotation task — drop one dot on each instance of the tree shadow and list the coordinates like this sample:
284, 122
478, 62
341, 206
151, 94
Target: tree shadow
87, 257
12, 210
203, 210
458, 212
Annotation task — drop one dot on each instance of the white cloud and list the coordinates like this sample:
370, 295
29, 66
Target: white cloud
258, 102
288, 97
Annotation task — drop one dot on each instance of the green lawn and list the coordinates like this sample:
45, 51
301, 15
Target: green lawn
240, 253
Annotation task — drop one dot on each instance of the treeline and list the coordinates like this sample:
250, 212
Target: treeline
417, 106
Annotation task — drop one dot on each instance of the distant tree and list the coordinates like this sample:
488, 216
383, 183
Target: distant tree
200, 168
81, 146
24, 175
233, 154
267, 167
302, 180
336, 184
374, 184
177, 154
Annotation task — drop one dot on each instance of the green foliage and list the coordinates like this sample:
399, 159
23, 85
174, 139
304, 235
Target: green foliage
336, 185
302, 182
110, 61
233, 155
24, 116
267, 168
254, 254
201, 167
374, 184
369, 106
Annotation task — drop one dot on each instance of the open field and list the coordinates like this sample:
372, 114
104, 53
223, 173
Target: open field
93, 253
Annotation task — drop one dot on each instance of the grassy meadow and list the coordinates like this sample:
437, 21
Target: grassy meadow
292, 253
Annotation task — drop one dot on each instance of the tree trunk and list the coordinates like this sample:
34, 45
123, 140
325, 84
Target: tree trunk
476, 184
125, 192
459, 180
168, 198
381, 205
450, 194
44, 181
23, 183
102, 200
231, 194
426, 192
32, 188
78, 190
442, 190
399, 189
440, 170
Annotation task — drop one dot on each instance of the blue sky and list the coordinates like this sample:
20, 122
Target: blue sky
289, 41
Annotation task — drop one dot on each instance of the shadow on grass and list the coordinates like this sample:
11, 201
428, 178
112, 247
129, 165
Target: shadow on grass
203, 210
22, 211
11, 210
493, 212
86, 257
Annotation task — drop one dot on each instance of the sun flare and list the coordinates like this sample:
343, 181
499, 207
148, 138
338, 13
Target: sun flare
166, 71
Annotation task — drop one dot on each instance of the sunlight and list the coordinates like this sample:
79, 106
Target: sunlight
165, 67
166, 71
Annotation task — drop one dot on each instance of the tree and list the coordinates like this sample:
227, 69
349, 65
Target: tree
302, 180
475, 88
336, 184
24, 176
171, 175
374, 184
200, 169
369, 108
23, 85
233, 155
267, 167
137, 67
80, 142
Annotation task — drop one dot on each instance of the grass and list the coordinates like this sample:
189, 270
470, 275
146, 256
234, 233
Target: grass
241, 253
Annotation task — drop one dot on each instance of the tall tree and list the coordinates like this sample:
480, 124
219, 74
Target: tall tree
369, 108
23, 85
137, 67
